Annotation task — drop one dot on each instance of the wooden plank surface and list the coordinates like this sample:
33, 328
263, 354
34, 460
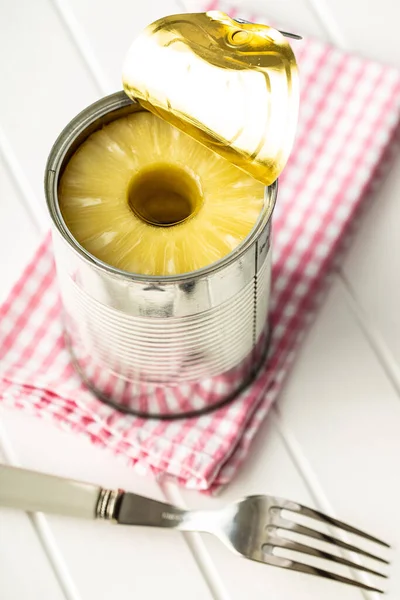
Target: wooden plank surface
101, 559
343, 420
25, 571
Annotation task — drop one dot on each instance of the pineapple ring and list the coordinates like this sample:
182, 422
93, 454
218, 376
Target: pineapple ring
109, 197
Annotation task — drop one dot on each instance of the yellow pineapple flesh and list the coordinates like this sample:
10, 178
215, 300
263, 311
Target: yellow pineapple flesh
145, 197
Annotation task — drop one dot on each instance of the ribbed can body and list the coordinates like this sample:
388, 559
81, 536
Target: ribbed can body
160, 346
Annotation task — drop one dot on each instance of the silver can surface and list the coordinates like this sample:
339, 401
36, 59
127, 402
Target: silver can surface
160, 346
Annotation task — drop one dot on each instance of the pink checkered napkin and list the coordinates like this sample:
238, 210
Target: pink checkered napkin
349, 116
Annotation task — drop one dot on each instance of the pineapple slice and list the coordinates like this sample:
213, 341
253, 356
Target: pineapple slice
144, 197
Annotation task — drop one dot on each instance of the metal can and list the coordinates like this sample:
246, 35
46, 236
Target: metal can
160, 346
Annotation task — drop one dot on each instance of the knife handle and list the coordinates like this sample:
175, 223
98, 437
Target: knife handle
31, 491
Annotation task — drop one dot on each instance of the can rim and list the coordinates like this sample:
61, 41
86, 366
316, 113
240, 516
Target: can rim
77, 128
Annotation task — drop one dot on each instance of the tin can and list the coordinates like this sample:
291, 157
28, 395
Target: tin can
159, 346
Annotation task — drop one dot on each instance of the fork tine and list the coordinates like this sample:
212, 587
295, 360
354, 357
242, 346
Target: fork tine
318, 535
279, 542
303, 568
319, 516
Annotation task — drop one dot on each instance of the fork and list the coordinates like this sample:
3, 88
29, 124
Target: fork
250, 527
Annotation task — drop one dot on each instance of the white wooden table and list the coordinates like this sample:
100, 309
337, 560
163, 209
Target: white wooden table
333, 441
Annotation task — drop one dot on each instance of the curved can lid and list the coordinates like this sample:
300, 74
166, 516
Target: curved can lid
232, 86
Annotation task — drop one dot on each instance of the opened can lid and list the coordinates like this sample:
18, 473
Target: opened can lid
231, 86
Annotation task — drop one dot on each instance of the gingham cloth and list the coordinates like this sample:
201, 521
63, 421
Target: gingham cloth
349, 115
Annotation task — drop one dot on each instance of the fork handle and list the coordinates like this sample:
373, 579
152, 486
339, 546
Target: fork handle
31, 491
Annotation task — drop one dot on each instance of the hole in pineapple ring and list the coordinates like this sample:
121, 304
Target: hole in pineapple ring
164, 194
